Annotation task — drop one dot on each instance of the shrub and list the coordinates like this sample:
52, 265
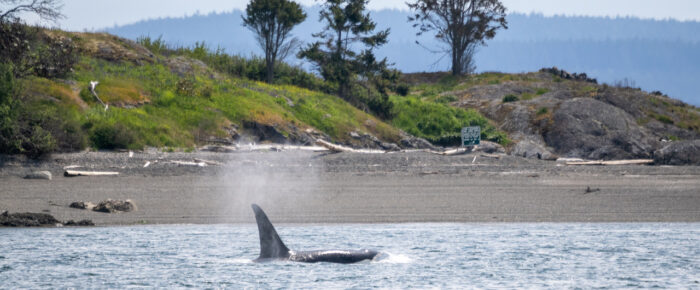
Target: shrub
510, 98
402, 89
185, 87
16, 41
111, 136
33, 52
542, 111
156, 46
55, 57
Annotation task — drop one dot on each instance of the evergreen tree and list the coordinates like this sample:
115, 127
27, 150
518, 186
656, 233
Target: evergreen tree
272, 22
347, 27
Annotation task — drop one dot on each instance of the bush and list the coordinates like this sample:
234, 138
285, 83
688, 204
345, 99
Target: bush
510, 98
111, 136
185, 87
402, 89
55, 57
33, 52
542, 111
16, 41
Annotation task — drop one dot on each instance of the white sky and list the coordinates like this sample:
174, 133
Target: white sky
96, 14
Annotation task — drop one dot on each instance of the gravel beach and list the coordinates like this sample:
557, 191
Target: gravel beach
317, 187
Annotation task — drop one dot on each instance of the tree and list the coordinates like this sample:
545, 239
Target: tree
46, 9
461, 24
346, 28
272, 21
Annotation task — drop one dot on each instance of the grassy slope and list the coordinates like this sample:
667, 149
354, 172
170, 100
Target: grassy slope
160, 112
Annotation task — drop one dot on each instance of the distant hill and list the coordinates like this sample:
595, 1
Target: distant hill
651, 54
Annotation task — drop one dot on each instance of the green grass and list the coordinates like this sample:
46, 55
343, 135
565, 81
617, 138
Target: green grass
174, 112
440, 123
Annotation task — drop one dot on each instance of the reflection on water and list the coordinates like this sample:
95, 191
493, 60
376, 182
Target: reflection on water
414, 255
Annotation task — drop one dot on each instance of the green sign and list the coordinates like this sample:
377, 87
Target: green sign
471, 136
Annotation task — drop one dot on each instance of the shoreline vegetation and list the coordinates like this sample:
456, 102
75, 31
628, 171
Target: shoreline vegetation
178, 98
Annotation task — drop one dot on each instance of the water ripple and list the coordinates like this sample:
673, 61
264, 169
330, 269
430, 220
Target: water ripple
413, 256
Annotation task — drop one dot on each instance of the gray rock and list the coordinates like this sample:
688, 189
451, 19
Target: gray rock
679, 153
39, 175
489, 147
530, 149
80, 223
27, 219
389, 146
416, 143
113, 206
587, 128
82, 205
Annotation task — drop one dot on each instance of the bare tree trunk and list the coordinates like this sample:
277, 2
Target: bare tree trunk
270, 66
456, 62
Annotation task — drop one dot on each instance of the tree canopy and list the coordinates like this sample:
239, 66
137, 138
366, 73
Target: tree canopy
344, 52
272, 22
461, 24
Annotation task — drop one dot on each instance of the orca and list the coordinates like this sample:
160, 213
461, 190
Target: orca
272, 248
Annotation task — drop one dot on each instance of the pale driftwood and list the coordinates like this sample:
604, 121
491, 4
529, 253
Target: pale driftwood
93, 85
497, 156
208, 162
189, 163
613, 162
73, 173
570, 160
452, 152
148, 163
280, 147
339, 148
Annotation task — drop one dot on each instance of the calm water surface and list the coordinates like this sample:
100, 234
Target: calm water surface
415, 256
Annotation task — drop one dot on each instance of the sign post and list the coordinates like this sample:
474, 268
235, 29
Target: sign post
471, 136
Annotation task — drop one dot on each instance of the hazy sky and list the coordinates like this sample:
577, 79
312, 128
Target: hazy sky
96, 14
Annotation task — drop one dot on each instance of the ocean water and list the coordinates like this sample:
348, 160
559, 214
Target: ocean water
538, 255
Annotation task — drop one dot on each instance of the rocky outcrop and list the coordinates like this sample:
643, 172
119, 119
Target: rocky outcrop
571, 116
184, 66
527, 148
82, 205
27, 219
266, 133
584, 127
80, 223
679, 153
489, 147
114, 206
30, 219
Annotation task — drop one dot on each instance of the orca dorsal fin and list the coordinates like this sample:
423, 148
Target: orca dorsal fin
271, 246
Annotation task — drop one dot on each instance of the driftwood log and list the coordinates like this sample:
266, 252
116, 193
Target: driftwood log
74, 173
612, 162
93, 85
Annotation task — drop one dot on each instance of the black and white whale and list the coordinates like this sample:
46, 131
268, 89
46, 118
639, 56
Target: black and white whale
272, 248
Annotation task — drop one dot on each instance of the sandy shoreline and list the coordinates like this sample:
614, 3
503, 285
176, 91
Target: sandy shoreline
311, 187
